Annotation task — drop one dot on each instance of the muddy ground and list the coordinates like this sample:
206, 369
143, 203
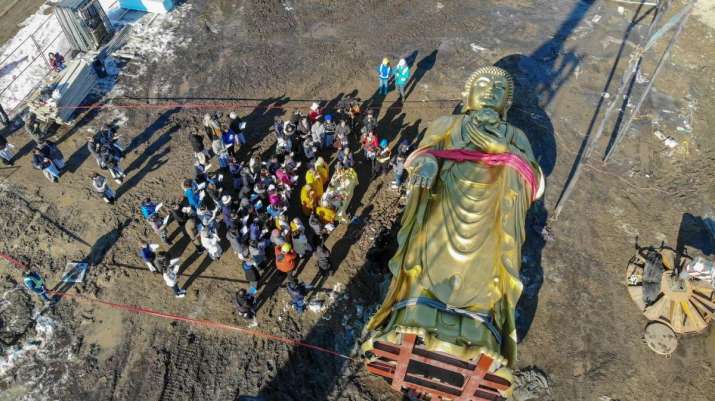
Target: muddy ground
12, 12
577, 322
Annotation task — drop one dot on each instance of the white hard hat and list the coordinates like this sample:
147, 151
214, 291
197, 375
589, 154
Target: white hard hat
232, 115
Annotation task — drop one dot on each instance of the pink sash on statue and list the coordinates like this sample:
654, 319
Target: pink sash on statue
492, 159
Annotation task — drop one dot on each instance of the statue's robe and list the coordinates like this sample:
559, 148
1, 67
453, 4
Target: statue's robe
460, 244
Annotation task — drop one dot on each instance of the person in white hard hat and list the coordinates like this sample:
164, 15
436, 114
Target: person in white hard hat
402, 76
236, 127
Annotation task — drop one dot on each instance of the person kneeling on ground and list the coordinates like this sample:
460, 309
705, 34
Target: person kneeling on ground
297, 291
244, 304
40, 162
100, 186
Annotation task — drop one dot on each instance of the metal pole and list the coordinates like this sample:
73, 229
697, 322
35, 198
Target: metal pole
4, 119
39, 50
621, 132
631, 72
646, 43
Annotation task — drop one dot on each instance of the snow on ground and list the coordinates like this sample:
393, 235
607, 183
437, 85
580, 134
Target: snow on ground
153, 38
19, 57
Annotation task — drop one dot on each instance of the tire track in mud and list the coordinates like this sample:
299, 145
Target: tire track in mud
181, 367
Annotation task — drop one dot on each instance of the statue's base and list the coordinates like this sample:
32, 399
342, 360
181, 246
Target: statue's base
436, 374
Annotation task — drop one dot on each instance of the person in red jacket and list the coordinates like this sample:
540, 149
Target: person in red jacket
315, 113
370, 147
286, 258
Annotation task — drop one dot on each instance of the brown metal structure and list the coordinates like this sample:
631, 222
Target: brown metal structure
442, 376
684, 304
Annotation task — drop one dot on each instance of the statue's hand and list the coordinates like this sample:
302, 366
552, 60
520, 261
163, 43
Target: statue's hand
422, 170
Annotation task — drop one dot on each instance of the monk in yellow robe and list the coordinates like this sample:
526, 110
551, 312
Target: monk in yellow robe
308, 199
315, 180
456, 273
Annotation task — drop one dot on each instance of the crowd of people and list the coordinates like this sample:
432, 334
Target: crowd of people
273, 212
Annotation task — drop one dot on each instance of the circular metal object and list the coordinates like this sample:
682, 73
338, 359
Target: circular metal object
660, 338
683, 304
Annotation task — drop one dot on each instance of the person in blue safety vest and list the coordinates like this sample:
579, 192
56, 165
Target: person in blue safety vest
34, 283
384, 71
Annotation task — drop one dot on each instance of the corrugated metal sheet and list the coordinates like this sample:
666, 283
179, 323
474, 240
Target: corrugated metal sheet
84, 23
72, 4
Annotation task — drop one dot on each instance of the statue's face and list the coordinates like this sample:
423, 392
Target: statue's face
488, 91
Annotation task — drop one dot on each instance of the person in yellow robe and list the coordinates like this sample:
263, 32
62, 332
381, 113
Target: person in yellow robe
308, 199
315, 180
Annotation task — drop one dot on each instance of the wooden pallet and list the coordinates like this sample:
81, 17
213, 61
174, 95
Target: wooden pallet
442, 376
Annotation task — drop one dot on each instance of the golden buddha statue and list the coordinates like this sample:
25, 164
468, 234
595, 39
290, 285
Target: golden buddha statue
456, 273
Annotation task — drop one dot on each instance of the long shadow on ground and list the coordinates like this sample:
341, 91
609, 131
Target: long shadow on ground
546, 73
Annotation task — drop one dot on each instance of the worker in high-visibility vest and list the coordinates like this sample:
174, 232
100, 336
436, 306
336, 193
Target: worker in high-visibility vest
384, 72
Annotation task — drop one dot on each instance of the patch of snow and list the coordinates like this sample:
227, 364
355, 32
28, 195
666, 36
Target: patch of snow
23, 68
317, 306
154, 37
107, 85
287, 6
440, 5
119, 117
476, 48
16, 356
670, 142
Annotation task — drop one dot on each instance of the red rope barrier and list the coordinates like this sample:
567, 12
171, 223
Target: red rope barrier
201, 322
14, 262
170, 316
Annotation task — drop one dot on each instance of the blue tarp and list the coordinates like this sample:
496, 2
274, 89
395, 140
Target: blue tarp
152, 6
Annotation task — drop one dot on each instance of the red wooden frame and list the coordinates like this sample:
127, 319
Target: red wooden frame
393, 363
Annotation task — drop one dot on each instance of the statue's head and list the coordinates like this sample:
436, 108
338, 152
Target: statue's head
489, 87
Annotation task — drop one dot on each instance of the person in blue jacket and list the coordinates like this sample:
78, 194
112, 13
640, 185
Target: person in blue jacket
34, 283
192, 198
384, 72
148, 208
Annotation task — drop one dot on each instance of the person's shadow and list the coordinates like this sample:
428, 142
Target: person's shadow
528, 116
423, 66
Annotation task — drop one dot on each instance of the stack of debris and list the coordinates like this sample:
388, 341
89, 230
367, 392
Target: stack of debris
57, 100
